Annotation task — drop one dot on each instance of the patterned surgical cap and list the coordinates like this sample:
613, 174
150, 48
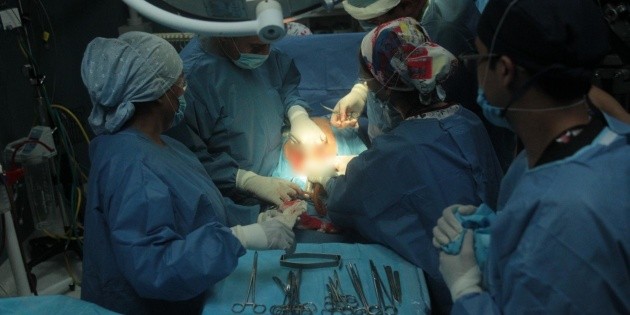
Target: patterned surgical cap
401, 56
135, 67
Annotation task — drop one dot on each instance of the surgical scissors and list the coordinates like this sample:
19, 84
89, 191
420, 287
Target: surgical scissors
358, 287
379, 289
251, 293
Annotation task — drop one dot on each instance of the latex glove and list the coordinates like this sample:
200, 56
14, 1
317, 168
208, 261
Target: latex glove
341, 163
270, 189
350, 107
287, 215
322, 175
460, 272
303, 129
270, 234
448, 227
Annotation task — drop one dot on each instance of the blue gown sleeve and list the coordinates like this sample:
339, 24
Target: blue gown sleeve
202, 120
159, 261
476, 303
289, 90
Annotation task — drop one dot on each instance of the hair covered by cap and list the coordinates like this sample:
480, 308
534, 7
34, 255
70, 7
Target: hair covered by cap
400, 56
135, 67
368, 9
538, 34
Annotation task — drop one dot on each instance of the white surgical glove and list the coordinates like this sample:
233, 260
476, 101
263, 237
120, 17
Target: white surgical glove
461, 272
341, 163
303, 129
448, 227
287, 215
322, 175
350, 107
270, 234
270, 189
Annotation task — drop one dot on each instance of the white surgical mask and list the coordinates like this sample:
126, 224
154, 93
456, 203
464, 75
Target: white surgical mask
248, 61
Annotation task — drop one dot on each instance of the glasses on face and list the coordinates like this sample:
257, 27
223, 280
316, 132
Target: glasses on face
183, 84
472, 60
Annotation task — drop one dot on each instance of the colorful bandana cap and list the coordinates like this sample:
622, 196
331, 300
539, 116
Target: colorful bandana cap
297, 29
401, 56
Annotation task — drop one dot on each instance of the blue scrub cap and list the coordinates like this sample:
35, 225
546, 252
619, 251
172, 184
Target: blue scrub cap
135, 67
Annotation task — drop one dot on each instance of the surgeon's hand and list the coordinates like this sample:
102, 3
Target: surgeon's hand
322, 175
270, 189
303, 129
350, 107
287, 215
460, 272
341, 163
448, 227
270, 234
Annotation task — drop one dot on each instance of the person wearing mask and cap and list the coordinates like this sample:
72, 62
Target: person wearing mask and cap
560, 243
440, 153
156, 227
240, 94
451, 24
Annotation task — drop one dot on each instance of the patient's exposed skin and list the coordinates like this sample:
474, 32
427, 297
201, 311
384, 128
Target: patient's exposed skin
301, 160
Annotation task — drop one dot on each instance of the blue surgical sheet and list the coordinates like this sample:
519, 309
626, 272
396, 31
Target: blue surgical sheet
415, 298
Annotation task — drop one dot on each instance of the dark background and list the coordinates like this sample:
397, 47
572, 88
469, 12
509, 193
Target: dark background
72, 25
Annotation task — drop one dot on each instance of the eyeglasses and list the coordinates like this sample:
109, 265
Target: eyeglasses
183, 85
472, 60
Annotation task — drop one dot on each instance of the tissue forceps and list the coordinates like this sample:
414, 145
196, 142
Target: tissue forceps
358, 287
251, 293
380, 288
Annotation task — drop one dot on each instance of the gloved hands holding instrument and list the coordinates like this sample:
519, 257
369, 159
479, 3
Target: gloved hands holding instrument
461, 272
303, 129
288, 213
270, 189
350, 107
270, 234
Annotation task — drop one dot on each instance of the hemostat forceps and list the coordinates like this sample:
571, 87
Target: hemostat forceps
251, 293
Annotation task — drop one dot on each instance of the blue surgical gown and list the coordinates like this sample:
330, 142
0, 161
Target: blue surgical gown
235, 116
453, 25
561, 242
395, 192
156, 232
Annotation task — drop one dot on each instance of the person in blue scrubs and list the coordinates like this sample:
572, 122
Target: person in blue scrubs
440, 153
450, 23
560, 243
157, 230
240, 95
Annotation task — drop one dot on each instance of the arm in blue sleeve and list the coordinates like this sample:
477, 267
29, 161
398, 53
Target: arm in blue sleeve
475, 303
349, 195
158, 259
239, 214
290, 83
202, 122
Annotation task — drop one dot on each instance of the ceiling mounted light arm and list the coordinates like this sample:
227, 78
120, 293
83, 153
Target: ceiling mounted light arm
268, 24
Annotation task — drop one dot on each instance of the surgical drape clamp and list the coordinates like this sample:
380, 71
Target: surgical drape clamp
326, 260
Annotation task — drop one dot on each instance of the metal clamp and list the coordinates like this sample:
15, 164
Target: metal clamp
326, 260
